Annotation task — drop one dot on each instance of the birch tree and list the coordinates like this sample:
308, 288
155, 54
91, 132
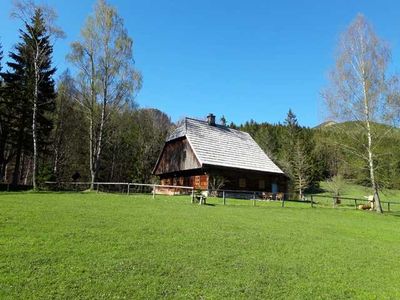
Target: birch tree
41, 33
357, 91
107, 78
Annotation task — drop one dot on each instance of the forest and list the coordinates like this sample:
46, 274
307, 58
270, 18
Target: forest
86, 124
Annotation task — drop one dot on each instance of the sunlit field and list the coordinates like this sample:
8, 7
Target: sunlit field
105, 246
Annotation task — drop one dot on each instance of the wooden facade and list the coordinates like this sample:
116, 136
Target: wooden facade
179, 166
177, 156
199, 182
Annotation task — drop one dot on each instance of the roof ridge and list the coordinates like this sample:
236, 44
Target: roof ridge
216, 125
194, 119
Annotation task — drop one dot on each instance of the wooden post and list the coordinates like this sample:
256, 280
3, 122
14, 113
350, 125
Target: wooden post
154, 191
388, 206
8, 187
254, 199
128, 189
283, 202
224, 197
97, 188
334, 202
192, 196
355, 203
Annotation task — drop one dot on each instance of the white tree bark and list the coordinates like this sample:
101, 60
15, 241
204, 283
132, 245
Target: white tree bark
34, 116
357, 92
104, 59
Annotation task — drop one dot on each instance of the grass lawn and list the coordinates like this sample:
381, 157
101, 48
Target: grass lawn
84, 246
358, 191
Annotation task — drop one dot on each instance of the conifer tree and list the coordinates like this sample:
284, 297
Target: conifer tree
17, 104
3, 126
297, 159
30, 89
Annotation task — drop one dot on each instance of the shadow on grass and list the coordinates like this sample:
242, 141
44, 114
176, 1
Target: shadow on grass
45, 192
394, 214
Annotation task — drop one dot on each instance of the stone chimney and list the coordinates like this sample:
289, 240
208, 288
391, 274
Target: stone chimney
211, 119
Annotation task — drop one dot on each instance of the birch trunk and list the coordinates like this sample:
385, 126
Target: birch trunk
34, 117
378, 205
92, 175
91, 121
99, 142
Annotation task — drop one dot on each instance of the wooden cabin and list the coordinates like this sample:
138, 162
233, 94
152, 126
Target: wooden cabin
201, 154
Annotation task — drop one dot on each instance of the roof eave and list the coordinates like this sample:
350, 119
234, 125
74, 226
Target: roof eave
244, 169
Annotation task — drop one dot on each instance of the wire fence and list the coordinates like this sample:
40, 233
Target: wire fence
128, 188
224, 197
351, 202
289, 199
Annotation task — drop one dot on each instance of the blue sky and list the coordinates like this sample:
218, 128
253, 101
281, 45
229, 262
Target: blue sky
244, 59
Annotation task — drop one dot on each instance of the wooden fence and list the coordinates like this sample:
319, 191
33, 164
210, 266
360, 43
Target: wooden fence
337, 199
123, 187
309, 199
313, 200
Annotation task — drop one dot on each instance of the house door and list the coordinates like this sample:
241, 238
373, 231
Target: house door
274, 188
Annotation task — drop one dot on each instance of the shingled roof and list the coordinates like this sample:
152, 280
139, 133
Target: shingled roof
219, 145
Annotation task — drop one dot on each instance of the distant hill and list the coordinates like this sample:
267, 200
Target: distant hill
350, 125
326, 124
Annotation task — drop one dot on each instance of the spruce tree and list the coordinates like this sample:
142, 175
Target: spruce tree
1, 58
3, 126
30, 89
16, 82
43, 92
297, 161
291, 120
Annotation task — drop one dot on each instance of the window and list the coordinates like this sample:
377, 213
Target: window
261, 184
242, 182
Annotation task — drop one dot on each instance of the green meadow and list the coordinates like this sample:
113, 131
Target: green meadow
358, 191
107, 246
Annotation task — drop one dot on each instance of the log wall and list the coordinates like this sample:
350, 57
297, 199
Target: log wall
177, 156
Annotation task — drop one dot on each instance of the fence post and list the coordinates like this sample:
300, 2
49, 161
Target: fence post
128, 188
283, 202
388, 206
223, 196
192, 195
254, 199
154, 191
355, 203
334, 202
312, 201
97, 188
